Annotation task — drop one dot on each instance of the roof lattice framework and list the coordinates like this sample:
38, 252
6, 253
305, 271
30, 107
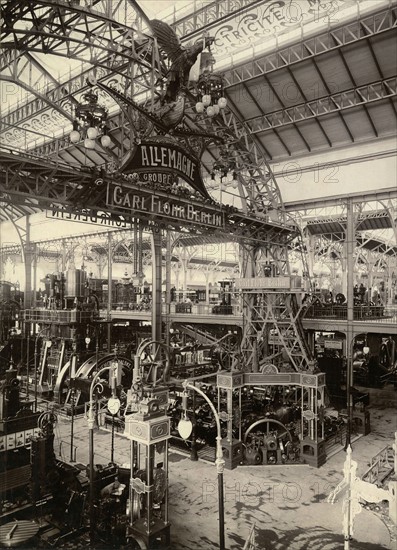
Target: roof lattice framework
310, 93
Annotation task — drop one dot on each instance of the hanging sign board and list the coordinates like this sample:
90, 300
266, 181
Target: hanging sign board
263, 282
85, 215
333, 344
161, 205
160, 161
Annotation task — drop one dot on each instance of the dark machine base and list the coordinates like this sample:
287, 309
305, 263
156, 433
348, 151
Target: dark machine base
232, 453
158, 537
361, 421
313, 452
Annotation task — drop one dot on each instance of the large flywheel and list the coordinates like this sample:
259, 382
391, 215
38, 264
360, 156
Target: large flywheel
153, 361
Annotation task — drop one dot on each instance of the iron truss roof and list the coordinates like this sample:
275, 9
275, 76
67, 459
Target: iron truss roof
334, 89
310, 96
122, 253
376, 245
337, 224
324, 219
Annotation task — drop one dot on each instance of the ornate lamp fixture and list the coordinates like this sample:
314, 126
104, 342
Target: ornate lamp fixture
224, 166
209, 88
90, 122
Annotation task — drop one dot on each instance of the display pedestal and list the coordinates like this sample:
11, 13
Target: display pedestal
313, 452
232, 453
361, 421
149, 431
158, 537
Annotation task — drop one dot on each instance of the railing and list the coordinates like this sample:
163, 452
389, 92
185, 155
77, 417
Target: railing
65, 316
382, 465
374, 314
180, 308
183, 308
122, 306
206, 309
360, 313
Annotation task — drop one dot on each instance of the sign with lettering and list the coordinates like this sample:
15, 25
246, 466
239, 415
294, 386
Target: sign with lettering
161, 161
292, 282
134, 201
333, 344
271, 17
263, 282
84, 215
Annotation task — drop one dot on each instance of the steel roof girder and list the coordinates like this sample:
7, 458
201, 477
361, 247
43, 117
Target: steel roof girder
312, 47
65, 113
76, 12
55, 37
58, 94
211, 12
271, 193
110, 24
341, 101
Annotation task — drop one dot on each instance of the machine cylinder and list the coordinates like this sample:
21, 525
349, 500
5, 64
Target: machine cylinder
5, 292
75, 282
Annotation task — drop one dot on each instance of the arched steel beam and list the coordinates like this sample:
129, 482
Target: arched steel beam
93, 26
37, 94
142, 13
77, 14
62, 39
332, 103
392, 217
359, 30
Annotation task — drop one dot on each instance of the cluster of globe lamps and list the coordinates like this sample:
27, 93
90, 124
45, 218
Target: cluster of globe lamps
211, 110
92, 132
90, 119
91, 135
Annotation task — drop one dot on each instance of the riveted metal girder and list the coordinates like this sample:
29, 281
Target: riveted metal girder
51, 24
211, 12
308, 205
92, 33
52, 185
333, 103
361, 29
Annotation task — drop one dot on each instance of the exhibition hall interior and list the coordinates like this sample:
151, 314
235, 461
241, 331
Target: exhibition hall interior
198, 274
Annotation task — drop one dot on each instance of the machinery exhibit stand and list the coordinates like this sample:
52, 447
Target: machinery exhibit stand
312, 444
148, 429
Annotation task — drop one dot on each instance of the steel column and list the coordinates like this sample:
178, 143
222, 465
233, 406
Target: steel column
156, 284
109, 305
350, 246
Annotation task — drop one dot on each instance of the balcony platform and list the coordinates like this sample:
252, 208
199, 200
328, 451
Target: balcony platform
203, 314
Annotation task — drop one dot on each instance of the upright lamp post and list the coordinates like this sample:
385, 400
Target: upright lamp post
185, 429
91, 422
27, 359
36, 352
349, 385
349, 366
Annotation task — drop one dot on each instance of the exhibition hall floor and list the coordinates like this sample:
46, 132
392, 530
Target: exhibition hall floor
288, 504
